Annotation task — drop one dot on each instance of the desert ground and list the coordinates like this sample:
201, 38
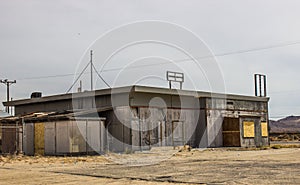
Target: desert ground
196, 166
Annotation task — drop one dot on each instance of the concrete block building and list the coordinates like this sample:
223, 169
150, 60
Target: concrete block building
139, 117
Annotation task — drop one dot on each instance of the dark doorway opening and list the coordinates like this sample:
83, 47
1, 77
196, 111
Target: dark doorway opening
231, 132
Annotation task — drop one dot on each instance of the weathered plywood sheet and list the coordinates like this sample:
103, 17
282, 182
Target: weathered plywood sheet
264, 129
9, 140
39, 138
248, 129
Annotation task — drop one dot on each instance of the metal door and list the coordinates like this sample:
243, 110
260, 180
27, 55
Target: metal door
231, 132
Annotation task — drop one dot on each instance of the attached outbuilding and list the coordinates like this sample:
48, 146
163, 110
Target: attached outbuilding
55, 134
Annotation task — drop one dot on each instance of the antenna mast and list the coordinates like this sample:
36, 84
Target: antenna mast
91, 63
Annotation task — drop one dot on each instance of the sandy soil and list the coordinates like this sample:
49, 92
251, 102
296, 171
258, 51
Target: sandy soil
211, 166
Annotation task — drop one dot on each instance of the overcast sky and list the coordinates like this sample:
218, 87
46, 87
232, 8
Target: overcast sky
43, 41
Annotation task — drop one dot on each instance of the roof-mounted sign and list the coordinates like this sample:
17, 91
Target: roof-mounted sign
175, 77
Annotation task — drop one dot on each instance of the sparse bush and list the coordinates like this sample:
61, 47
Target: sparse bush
264, 147
276, 146
128, 151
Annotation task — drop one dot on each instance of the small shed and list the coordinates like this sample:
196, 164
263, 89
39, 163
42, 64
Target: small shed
54, 134
10, 135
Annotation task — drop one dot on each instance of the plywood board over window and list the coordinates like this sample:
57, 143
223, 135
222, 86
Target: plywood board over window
264, 129
248, 129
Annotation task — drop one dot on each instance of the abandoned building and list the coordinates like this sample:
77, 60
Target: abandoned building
138, 118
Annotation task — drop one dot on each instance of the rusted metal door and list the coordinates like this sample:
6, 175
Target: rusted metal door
231, 132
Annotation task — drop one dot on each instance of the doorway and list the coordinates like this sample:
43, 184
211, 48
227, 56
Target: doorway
231, 132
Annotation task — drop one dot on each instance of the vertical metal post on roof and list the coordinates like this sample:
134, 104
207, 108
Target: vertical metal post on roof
255, 84
260, 90
258, 85
265, 85
91, 63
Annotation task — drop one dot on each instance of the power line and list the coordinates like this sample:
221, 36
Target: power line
260, 48
285, 91
50, 76
177, 61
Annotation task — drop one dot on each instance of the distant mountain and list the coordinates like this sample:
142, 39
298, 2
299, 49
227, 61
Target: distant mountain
290, 124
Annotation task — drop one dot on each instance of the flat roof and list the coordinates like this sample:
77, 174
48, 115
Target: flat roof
135, 89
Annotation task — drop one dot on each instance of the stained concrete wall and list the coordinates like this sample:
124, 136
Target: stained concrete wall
218, 109
76, 103
141, 120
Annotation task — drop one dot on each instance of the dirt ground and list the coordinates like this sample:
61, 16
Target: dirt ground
210, 166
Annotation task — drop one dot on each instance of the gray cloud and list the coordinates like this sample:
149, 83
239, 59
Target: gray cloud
45, 38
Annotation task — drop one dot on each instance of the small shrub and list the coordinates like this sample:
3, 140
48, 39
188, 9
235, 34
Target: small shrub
276, 147
264, 148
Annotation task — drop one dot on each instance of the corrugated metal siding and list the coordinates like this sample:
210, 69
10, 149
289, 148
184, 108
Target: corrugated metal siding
96, 136
50, 137
78, 136
75, 137
28, 139
62, 137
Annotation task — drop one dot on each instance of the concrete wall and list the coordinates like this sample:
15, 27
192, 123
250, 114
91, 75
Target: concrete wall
218, 109
141, 120
62, 105
56, 106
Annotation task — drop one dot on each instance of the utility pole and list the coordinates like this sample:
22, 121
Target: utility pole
7, 83
91, 60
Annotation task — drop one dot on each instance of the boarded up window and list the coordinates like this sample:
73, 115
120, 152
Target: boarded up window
248, 128
264, 129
